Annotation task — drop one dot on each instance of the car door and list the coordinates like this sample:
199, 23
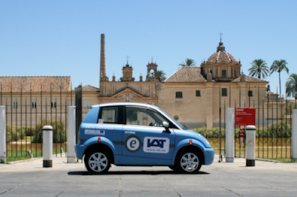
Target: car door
110, 123
145, 138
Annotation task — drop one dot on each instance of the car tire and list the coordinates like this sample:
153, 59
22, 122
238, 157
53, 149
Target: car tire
188, 161
97, 161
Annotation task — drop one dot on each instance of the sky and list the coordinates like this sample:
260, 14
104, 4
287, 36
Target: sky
62, 38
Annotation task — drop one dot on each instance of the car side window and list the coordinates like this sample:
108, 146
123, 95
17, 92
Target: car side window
143, 117
109, 115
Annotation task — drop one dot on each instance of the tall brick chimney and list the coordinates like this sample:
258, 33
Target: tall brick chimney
102, 74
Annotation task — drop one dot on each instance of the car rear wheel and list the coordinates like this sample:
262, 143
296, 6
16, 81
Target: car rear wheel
188, 161
97, 161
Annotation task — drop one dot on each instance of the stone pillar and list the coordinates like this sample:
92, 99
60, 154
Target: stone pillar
294, 135
71, 135
47, 146
2, 134
229, 135
209, 104
243, 95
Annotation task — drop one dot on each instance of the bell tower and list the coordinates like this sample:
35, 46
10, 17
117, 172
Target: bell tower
127, 73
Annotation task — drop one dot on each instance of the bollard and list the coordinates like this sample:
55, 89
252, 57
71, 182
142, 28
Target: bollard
294, 135
2, 134
71, 135
229, 135
47, 146
250, 145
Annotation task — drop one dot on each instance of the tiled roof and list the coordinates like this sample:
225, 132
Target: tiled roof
187, 74
248, 79
35, 84
89, 88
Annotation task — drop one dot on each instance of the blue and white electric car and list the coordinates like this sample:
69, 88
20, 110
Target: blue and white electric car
135, 134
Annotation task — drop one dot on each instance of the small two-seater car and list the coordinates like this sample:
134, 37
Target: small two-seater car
135, 134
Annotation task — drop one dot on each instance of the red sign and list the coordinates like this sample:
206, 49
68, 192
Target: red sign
245, 116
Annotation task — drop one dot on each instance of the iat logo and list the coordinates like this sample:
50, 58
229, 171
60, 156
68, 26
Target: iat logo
155, 142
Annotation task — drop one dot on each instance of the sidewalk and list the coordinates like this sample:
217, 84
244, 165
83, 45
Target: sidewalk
218, 179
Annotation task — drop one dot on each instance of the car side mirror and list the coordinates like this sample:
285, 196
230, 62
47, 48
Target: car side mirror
166, 126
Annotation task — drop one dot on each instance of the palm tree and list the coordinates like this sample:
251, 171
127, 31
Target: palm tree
188, 63
291, 85
259, 68
161, 75
279, 66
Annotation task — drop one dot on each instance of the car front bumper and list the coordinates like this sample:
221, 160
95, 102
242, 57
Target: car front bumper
208, 156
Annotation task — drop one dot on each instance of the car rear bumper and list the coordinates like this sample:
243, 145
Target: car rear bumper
79, 150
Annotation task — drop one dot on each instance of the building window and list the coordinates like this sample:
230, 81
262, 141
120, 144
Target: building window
224, 73
72, 103
224, 92
14, 105
86, 104
198, 93
178, 95
33, 105
250, 93
53, 105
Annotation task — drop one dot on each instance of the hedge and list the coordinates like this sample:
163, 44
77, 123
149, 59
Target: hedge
276, 129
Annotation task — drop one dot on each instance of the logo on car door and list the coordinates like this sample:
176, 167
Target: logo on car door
132, 143
156, 145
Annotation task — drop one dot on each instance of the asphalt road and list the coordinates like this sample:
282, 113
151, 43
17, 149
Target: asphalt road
218, 179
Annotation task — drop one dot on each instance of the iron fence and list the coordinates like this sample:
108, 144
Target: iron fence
273, 122
28, 112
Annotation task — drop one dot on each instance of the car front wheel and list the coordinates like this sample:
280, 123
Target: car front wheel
188, 161
97, 161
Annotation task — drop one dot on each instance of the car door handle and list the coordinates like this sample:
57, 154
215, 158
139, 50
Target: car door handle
129, 132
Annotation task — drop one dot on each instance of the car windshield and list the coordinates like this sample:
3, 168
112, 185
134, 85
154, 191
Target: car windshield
173, 120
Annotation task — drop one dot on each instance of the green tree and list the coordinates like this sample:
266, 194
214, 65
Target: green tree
188, 63
79, 86
161, 75
291, 86
279, 66
259, 68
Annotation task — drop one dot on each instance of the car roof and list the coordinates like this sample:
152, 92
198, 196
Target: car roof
125, 104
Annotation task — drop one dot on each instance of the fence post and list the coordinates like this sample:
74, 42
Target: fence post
229, 135
2, 134
294, 135
47, 146
71, 135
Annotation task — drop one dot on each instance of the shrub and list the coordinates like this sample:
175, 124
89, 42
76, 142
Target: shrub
210, 132
13, 133
29, 131
59, 131
279, 129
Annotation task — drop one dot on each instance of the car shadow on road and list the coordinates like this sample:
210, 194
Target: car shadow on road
86, 173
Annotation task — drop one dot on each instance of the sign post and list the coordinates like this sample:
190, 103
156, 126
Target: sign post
247, 117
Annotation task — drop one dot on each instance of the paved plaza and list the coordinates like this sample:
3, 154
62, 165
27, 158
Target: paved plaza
218, 179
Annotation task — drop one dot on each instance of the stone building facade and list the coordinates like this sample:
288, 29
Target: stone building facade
192, 95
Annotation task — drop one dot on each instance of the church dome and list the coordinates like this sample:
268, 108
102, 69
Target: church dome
221, 55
